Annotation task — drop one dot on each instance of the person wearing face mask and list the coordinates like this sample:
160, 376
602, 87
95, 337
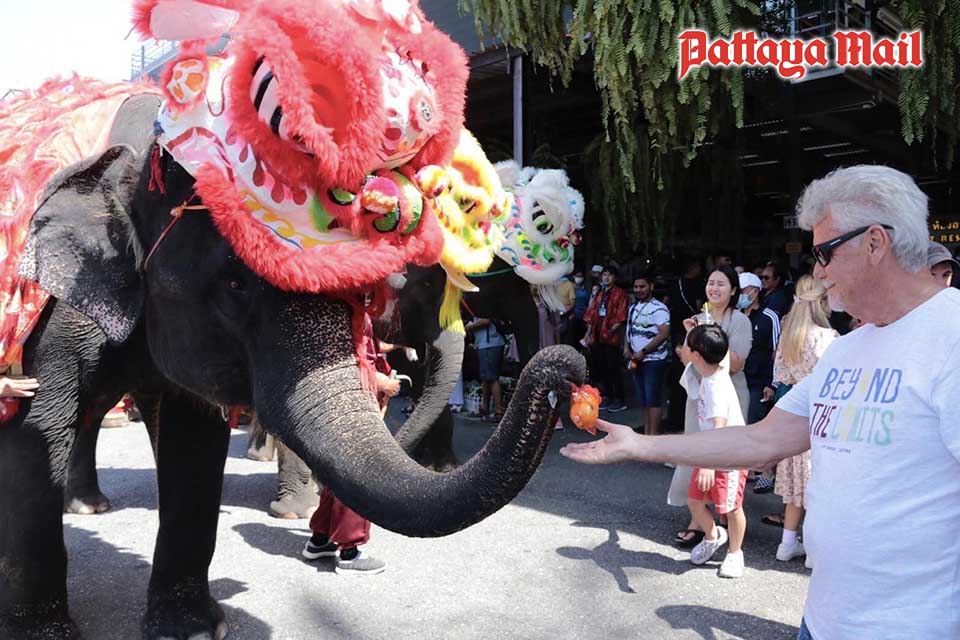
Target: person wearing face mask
758, 367
581, 292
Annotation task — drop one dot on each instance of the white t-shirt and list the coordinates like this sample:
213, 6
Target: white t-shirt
718, 399
883, 502
643, 322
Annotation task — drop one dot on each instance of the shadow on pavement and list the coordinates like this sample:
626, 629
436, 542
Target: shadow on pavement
107, 587
707, 621
613, 558
274, 541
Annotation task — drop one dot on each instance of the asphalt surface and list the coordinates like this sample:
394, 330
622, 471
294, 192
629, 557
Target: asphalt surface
582, 552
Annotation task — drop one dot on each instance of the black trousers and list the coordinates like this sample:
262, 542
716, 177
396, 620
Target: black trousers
606, 362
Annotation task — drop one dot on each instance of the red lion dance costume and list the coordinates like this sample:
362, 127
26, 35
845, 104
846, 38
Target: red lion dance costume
314, 140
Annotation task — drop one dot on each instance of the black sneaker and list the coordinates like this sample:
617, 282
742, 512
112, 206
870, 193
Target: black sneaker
763, 485
314, 551
360, 565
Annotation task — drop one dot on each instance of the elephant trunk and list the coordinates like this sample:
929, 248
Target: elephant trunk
444, 362
308, 391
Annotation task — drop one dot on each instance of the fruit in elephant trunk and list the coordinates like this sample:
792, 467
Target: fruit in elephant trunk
585, 408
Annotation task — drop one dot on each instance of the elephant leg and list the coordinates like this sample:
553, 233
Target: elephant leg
192, 452
82, 493
296, 491
262, 445
33, 559
436, 448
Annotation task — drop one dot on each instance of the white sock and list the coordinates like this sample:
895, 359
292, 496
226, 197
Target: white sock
789, 537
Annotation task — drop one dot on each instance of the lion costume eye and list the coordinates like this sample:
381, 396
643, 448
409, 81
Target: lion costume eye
263, 92
541, 221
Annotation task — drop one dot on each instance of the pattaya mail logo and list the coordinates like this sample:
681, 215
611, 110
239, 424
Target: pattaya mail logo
855, 406
792, 58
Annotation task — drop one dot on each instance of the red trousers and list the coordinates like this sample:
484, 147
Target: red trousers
334, 520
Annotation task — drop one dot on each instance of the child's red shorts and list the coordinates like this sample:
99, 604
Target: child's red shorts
727, 492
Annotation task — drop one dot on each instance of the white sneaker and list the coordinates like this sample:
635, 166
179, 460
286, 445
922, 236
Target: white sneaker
787, 552
732, 566
701, 553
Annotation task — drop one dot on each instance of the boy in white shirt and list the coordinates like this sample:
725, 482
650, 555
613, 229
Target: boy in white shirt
717, 407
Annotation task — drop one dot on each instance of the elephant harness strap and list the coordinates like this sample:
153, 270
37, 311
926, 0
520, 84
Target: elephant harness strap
176, 214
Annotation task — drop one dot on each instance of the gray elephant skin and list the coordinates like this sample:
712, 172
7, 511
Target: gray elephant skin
503, 297
195, 330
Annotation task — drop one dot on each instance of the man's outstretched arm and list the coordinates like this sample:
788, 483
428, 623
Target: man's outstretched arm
780, 435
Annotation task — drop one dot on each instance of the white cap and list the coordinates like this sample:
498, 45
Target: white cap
597, 268
749, 279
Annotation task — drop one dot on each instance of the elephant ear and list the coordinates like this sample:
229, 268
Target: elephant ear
82, 247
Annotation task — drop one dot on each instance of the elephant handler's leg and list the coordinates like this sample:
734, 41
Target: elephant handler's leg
192, 451
335, 527
33, 559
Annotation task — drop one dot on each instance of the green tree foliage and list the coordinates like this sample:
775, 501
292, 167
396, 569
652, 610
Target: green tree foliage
651, 118
648, 115
929, 95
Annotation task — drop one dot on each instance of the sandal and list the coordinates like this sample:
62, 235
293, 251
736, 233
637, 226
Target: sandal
774, 520
688, 538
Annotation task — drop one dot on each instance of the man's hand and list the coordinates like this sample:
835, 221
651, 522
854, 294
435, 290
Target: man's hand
411, 354
767, 394
17, 386
690, 323
619, 445
705, 480
387, 386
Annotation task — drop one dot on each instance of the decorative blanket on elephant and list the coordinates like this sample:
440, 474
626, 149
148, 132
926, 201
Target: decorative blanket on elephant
543, 227
42, 132
306, 136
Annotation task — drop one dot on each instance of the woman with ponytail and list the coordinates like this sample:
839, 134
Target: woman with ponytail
805, 335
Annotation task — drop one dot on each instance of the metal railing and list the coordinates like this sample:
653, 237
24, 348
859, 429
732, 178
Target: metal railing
150, 57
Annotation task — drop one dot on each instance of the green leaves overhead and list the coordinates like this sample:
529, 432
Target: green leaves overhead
928, 96
651, 119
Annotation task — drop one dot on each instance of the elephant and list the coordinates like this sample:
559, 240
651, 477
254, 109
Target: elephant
501, 296
165, 308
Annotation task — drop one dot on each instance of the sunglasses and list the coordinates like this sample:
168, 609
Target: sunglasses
824, 251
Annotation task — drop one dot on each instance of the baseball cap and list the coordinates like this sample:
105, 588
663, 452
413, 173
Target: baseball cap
749, 279
937, 253
597, 268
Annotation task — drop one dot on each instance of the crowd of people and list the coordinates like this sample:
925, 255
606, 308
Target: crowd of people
863, 434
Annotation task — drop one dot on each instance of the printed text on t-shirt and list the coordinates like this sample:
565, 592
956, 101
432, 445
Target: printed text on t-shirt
856, 407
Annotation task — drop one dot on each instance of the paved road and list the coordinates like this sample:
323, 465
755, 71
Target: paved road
581, 553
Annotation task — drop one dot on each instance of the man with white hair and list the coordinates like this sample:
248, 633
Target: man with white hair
878, 413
